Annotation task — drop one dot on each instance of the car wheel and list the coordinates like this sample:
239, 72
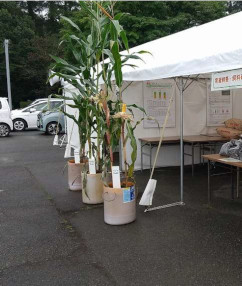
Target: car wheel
19, 125
51, 128
4, 130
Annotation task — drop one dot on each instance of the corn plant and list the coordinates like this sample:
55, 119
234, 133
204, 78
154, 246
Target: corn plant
98, 60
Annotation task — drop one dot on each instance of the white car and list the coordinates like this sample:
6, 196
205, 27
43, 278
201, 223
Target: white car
38, 101
27, 117
6, 123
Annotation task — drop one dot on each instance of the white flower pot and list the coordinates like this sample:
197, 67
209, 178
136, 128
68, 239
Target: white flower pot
94, 189
74, 175
119, 205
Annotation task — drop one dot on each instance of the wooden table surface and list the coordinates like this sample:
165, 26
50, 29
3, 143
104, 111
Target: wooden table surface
204, 138
217, 158
187, 139
169, 139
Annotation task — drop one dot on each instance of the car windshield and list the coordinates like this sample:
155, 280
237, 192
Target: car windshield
37, 101
53, 106
37, 107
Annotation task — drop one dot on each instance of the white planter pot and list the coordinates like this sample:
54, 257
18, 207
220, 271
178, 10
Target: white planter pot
119, 205
94, 189
74, 175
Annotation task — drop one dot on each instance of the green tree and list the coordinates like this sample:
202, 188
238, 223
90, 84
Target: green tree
146, 21
31, 42
234, 6
19, 29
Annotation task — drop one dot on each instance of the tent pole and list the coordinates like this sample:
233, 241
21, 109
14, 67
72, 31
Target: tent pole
181, 89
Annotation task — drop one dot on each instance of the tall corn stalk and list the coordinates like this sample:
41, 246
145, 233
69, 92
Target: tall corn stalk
98, 58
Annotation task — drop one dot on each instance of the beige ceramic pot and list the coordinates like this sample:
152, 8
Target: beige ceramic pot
119, 205
74, 175
94, 189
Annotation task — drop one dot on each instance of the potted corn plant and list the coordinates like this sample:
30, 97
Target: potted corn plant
119, 195
81, 75
98, 58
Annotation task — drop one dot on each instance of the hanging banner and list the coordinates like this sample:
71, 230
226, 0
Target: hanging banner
227, 80
157, 96
219, 106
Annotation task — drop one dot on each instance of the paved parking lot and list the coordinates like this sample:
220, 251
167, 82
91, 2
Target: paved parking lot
48, 237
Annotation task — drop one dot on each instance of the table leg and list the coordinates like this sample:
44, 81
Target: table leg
232, 183
209, 184
150, 157
200, 152
141, 149
192, 159
203, 152
237, 191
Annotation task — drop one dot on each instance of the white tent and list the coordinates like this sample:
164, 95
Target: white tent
212, 47
216, 46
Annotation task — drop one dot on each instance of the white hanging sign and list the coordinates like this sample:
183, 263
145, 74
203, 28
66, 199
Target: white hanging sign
226, 80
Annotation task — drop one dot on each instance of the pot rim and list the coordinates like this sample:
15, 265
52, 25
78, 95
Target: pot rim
72, 162
122, 188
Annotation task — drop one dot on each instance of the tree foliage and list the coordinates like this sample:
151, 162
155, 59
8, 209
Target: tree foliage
146, 21
34, 29
32, 37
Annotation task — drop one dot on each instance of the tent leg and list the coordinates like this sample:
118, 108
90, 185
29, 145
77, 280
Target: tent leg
181, 89
181, 203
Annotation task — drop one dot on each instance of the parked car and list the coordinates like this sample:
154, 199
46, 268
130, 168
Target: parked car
38, 101
6, 123
49, 120
27, 117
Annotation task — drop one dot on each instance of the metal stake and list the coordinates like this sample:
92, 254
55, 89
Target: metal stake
181, 89
6, 42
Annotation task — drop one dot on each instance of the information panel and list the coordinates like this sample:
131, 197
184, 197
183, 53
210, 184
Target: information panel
156, 101
219, 106
227, 80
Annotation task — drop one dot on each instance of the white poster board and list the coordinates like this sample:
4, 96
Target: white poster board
157, 96
219, 106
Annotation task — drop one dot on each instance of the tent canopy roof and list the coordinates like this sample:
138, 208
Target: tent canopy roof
212, 47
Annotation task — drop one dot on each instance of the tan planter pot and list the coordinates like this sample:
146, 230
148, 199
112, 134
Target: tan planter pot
119, 205
74, 176
94, 189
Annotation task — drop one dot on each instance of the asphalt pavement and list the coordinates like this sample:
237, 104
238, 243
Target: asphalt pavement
49, 237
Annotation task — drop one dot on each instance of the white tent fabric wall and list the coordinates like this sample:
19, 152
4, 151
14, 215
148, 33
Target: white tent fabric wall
195, 95
194, 119
72, 128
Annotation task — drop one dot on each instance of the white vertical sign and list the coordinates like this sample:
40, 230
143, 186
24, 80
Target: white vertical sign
116, 177
77, 156
92, 166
